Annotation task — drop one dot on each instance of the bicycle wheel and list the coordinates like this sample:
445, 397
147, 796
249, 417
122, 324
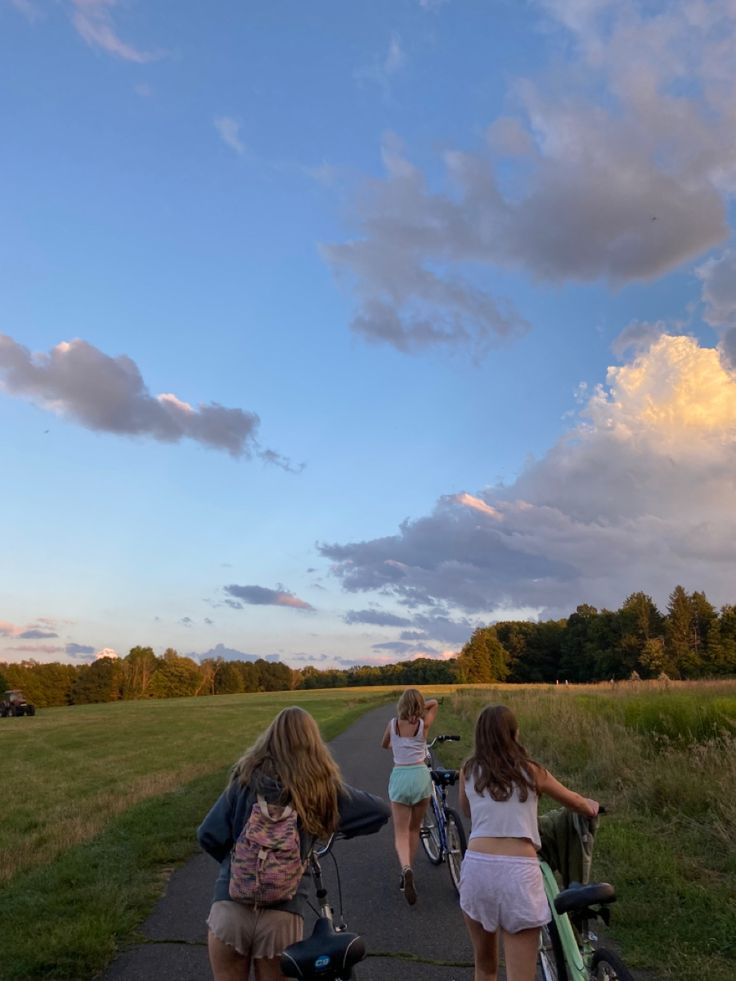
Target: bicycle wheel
607, 966
550, 959
456, 845
429, 834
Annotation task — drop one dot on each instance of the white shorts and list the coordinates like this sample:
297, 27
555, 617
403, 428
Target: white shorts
503, 891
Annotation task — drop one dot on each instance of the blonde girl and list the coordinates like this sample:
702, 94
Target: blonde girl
501, 886
288, 764
410, 785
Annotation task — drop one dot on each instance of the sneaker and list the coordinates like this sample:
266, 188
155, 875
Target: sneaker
407, 886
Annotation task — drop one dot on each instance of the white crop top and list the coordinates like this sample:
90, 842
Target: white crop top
510, 818
408, 750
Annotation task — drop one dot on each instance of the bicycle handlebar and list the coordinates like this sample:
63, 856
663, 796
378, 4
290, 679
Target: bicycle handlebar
444, 739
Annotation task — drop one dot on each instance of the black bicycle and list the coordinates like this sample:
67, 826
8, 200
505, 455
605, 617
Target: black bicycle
331, 952
442, 833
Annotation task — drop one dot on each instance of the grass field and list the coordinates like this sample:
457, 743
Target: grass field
663, 761
106, 799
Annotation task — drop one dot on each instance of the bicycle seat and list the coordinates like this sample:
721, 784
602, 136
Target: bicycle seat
577, 896
444, 778
326, 954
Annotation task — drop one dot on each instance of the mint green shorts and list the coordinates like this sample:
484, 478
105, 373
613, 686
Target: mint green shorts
410, 784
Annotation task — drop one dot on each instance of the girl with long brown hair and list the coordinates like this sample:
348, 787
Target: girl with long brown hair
501, 885
288, 765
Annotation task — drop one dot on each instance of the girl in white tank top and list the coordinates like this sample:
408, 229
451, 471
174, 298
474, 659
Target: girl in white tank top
501, 883
410, 786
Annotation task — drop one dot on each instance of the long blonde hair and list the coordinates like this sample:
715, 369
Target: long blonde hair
411, 705
291, 751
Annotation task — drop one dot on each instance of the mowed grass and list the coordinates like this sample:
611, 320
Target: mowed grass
663, 761
102, 801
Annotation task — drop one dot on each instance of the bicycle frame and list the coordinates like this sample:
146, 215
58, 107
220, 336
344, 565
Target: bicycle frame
577, 942
443, 836
330, 952
438, 803
576, 968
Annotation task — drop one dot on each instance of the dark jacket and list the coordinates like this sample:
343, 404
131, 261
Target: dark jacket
567, 844
361, 813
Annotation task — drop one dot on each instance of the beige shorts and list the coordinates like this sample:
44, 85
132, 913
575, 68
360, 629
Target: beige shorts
254, 932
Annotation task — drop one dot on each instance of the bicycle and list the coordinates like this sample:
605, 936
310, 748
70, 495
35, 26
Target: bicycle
442, 833
567, 945
330, 953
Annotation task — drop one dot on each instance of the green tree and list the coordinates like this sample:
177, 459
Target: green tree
639, 622
682, 642
727, 632
174, 676
138, 670
100, 681
578, 648
483, 659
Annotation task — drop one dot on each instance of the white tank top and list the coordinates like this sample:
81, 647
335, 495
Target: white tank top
408, 750
510, 818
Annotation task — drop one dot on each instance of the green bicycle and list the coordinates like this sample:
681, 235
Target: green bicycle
567, 948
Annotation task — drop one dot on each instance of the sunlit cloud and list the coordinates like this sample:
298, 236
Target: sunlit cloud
637, 495
262, 596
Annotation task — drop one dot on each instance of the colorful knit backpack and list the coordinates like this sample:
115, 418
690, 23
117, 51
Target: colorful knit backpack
266, 865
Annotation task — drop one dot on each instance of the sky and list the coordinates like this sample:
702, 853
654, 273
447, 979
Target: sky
330, 332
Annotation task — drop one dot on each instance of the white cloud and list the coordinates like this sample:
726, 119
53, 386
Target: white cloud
106, 652
93, 21
383, 68
108, 394
638, 495
229, 130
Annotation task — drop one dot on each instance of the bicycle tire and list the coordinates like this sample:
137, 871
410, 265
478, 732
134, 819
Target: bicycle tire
430, 834
550, 959
456, 845
607, 966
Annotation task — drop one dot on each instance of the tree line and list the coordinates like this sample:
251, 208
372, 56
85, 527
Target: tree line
691, 639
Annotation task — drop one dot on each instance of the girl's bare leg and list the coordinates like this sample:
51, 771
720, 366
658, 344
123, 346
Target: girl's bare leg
485, 951
226, 963
268, 969
415, 824
520, 954
401, 814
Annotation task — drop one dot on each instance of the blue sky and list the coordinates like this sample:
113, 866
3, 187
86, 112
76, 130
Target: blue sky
331, 331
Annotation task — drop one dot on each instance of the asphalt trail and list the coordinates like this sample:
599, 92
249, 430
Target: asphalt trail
426, 942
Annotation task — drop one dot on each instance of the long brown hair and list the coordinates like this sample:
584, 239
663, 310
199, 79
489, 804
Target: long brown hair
291, 751
499, 762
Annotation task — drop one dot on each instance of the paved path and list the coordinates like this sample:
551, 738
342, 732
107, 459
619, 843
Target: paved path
426, 942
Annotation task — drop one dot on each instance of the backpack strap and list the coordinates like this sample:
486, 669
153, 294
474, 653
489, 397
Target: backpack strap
263, 806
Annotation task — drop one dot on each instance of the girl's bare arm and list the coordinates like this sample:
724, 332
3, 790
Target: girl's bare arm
430, 712
462, 797
386, 741
547, 784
